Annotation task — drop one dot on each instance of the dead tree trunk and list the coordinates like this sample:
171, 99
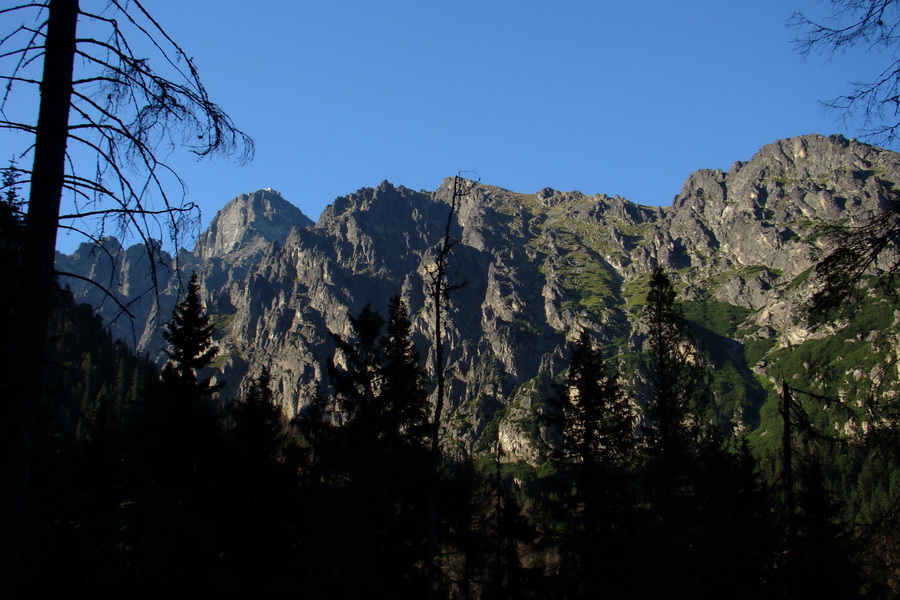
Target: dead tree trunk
25, 348
439, 288
787, 482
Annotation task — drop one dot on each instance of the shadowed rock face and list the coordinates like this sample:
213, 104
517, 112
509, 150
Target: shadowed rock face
539, 268
248, 225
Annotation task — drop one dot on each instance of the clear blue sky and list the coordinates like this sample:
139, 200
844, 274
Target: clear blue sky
620, 98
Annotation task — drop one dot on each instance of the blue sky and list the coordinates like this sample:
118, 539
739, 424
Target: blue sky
619, 98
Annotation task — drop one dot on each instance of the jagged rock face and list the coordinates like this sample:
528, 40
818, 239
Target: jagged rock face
758, 211
538, 269
247, 225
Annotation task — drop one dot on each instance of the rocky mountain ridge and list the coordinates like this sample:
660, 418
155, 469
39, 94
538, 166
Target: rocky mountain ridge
539, 269
247, 225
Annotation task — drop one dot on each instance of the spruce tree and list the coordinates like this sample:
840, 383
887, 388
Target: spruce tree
12, 228
381, 385
670, 471
405, 428
591, 497
180, 409
699, 502
673, 372
259, 431
380, 455
11, 215
356, 384
189, 336
403, 396
595, 417
260, 502
311, 430
181, 445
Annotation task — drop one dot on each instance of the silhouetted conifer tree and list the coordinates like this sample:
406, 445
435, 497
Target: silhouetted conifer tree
311, 430
591, 494
699, 504
11, 231
11, 216
506, 574
258, 430
356, 384
180, 408
189, 336
262, 509
380, 454
405, 427
824, 562
673, 371
403, 396
179, 543
594, 416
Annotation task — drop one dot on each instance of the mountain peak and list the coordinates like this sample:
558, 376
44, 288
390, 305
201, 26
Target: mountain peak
541, 267
249, 222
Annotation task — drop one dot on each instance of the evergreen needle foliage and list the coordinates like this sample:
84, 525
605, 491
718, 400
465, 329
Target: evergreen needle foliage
189, 336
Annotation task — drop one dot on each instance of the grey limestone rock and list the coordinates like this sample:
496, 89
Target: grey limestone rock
539, 268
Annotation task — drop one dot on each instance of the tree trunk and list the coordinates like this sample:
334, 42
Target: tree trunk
26, 346
787, 482
439, 290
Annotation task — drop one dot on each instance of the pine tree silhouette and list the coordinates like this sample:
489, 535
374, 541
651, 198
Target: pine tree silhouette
403, 396
595, 417
189, 336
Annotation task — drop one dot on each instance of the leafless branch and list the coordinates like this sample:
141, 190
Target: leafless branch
875, 26
106, 291
118, 211
858, 252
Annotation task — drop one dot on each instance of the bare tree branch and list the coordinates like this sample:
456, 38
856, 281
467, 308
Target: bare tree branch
125, 114
107, 292
859, 251
873, 25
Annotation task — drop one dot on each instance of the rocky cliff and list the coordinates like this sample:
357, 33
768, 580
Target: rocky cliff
539, 268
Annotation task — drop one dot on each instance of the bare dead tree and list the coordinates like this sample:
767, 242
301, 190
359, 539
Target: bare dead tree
123, 114
124, 118
873, 26
98, 98
440, 284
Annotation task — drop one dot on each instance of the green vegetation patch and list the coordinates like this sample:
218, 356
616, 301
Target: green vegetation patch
635, 291
595, 286
799, 279
755, 349
719, 317
633, 230
582, 269
736, 395
221, 324
820, 364
511, 204
744, 271
219, 361
783, 180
